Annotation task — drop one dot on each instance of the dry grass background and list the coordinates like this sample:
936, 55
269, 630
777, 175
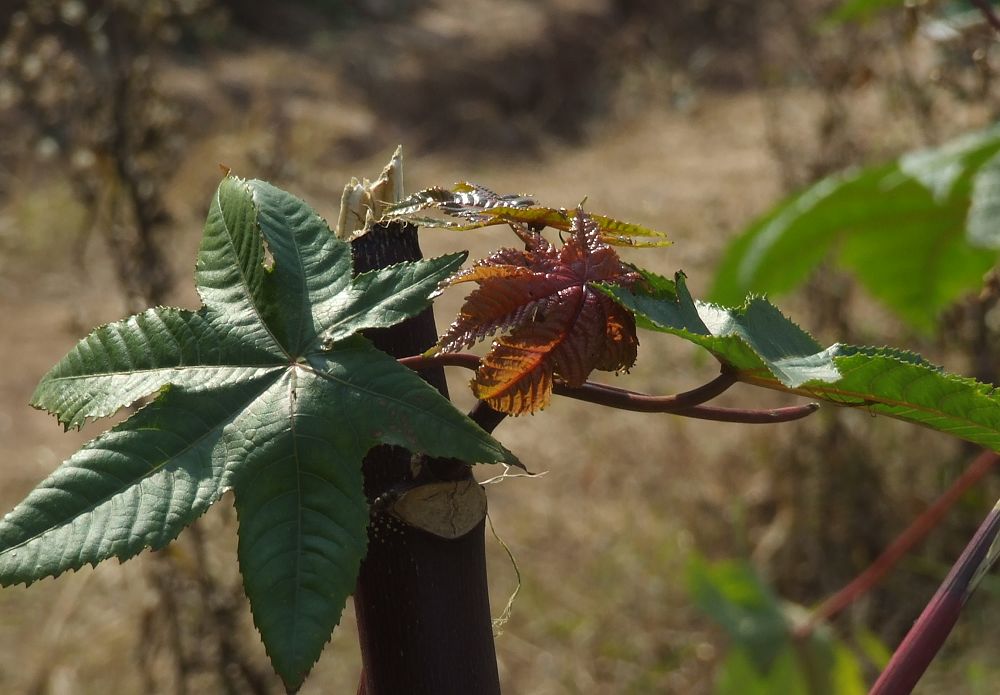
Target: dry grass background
602, 540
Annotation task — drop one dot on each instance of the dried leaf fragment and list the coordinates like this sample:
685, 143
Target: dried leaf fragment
477, 206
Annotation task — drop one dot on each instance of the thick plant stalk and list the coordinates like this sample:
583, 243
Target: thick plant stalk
422, 601
932, 628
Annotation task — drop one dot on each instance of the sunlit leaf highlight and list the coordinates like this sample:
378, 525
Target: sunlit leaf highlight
766, 349
553, 322
268, 390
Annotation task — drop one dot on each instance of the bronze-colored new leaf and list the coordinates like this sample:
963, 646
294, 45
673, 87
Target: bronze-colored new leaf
555, 323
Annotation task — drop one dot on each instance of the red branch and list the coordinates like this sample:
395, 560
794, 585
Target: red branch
935, 623
913, 534
687, 404
614, 397
748, 416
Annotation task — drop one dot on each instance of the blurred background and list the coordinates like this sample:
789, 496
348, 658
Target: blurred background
692, 117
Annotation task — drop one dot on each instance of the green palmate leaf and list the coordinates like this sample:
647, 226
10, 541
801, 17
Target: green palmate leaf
135, 486
900, 228
767, 349
267, 390
756, 340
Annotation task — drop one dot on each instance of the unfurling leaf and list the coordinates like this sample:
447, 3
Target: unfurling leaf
479, 207
555, 323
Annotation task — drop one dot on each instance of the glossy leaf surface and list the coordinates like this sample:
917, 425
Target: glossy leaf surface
767, 349
268, 390
554, 322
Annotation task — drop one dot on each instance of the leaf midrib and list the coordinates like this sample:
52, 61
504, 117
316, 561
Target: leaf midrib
819, 391
292, 381
244, 283
135, 482
182, 368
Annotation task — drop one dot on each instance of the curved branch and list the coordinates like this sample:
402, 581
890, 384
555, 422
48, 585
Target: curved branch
601, 394
623, 399
768, 416
686, 404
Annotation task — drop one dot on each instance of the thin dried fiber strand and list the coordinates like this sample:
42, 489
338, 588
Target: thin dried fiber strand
501, 621
507, 474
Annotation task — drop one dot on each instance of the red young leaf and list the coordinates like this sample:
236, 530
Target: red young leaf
555, 323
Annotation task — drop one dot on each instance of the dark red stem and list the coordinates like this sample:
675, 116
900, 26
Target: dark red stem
614, 397
686, 404
422, 602
749, 416
913, 534
487, 418
932, 628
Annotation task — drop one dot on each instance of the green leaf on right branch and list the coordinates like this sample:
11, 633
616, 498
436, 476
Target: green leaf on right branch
767, 349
